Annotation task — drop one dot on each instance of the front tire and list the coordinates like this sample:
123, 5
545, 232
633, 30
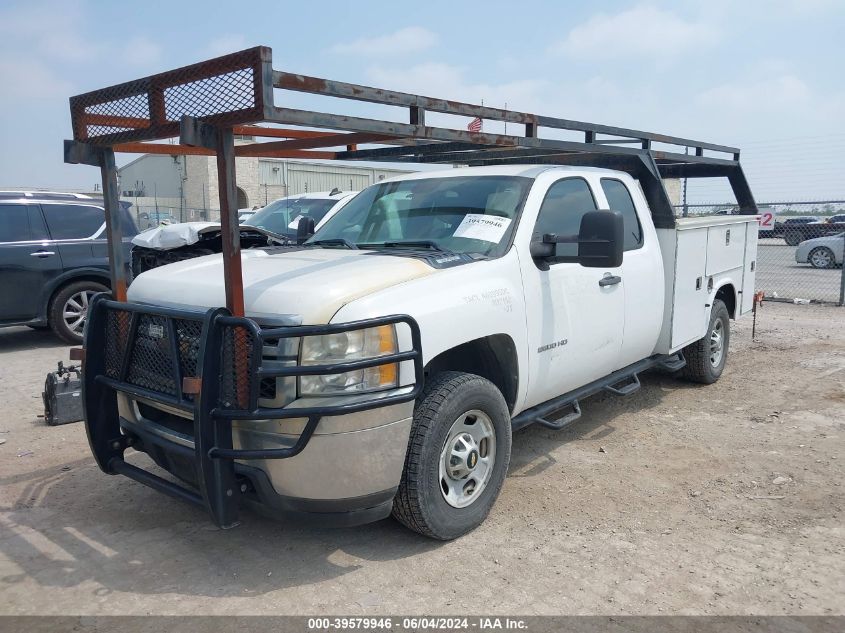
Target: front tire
821, 257
69, 309
706, 357
458, 456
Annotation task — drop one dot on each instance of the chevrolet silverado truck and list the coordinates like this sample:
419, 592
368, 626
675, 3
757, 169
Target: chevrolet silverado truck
384, 364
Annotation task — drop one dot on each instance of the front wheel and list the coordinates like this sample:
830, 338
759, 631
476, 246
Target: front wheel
822, 257
457, 458
706, 357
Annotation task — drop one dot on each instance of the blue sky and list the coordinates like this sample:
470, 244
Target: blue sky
765, 76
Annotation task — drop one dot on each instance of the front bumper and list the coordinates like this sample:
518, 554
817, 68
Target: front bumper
185, 388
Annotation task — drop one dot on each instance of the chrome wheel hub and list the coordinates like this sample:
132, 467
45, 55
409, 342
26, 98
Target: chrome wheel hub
821, 258
467, 458
76, 309
717, 343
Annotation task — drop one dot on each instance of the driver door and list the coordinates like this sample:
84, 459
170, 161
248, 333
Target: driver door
575, 325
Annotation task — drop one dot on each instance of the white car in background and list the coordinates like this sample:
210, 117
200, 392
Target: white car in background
821, 252
275, 224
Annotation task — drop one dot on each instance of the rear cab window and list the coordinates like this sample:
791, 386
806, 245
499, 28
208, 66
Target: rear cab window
619, 199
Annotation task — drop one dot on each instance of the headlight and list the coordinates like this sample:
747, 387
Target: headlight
344, 347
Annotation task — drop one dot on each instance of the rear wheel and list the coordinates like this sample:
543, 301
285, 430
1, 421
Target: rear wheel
457, 457
793, 238
706, 357
821, 257
69, 309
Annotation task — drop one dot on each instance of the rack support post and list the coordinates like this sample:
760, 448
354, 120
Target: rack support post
222, 141
103, 157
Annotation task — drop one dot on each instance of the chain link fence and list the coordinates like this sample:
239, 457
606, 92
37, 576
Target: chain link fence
800, 248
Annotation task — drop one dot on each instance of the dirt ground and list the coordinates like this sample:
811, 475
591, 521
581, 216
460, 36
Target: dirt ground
726, 499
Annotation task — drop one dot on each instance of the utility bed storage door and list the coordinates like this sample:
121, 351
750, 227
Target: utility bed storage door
690, 301
749, 273
725, 248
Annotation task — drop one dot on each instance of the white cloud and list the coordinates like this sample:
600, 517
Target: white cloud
30, 79
641, 31
411, 39
780, 93
230, 43
141, 51
50, 29
452, 82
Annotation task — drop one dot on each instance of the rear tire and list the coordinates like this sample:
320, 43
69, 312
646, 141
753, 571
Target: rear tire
821, 257
793, 238
69, 309
706, 357
457, 458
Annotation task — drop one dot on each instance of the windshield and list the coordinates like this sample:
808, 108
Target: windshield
462, 214
282, 216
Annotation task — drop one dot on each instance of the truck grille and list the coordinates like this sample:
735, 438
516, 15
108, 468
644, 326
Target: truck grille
157, 347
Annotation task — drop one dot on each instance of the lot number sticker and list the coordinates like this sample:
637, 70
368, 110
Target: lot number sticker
767, 221
295, 222
476, 226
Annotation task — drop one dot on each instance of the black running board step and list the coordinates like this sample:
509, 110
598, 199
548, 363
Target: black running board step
563, 422
626, 389
674, 362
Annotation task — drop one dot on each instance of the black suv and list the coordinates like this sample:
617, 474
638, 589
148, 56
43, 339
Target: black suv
53, 258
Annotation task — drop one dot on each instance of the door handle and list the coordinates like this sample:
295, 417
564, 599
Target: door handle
42, 254
609, 280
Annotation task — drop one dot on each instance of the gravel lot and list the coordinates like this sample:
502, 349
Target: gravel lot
719, 500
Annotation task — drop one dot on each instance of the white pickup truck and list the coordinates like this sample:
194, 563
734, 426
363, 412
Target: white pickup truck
402, 344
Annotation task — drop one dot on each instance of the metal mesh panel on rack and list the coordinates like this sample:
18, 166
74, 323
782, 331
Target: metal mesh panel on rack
227, 91
800, 249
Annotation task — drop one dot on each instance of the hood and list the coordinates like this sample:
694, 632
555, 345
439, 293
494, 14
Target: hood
170, 236
305, 285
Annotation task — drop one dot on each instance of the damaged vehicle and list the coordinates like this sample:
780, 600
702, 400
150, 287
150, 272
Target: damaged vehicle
276, 224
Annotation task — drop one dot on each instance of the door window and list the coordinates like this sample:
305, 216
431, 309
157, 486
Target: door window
14, 223
565, 204
73, 221
619, 199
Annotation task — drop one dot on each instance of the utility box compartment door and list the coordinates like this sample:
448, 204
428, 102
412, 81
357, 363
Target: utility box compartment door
749, 272
725, 247
689, 318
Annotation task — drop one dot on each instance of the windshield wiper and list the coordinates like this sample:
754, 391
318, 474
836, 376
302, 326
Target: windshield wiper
335, 241
429, 244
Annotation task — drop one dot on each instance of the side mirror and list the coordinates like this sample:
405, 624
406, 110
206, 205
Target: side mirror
304, 229
601, 239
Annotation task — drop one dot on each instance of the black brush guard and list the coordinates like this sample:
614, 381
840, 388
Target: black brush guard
146, 352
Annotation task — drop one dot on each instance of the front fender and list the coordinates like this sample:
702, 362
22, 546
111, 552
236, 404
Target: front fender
455, 306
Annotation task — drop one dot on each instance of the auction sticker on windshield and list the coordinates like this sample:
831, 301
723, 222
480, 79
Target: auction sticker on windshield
477, 226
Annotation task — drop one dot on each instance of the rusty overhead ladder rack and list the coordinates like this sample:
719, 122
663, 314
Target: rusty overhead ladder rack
206, 104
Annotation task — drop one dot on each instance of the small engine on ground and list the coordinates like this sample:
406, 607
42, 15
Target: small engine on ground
62, 395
